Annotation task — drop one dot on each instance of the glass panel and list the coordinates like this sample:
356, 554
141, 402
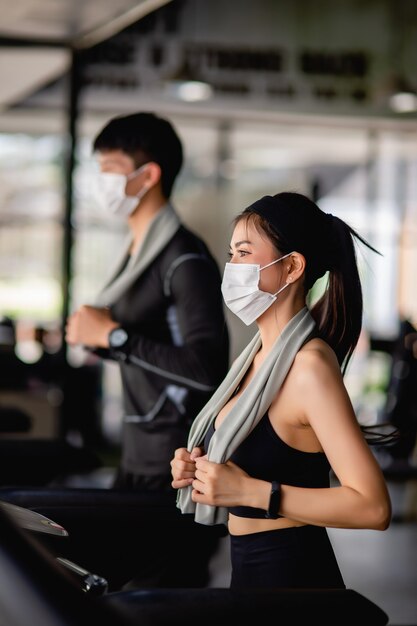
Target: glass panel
31, 204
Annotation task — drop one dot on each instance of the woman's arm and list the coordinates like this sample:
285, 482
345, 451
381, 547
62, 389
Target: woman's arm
361, 500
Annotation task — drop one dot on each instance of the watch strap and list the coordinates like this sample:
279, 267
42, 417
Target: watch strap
274, 501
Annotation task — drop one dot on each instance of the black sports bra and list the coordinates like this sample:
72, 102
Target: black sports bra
264, 455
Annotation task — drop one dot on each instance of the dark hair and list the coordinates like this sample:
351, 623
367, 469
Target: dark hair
145, 137
293, 222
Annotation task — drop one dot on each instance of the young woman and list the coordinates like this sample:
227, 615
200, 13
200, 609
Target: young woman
262, 449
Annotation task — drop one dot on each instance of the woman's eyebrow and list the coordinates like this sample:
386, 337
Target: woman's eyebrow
239, 243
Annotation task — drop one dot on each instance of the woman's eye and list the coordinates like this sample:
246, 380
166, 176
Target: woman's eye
239, 253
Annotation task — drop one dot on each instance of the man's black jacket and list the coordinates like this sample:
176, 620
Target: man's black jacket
177, 352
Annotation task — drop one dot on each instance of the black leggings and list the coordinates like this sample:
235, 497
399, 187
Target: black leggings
298, 557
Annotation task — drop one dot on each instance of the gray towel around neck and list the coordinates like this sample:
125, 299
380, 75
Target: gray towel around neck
161, 230
248, 409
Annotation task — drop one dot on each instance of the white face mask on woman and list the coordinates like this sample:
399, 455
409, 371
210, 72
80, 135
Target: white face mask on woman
241, 293
113, 192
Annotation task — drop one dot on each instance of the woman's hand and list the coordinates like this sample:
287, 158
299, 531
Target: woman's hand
221, 484
183, 466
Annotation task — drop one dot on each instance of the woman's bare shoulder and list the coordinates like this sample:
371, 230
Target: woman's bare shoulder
317, 348
316, 363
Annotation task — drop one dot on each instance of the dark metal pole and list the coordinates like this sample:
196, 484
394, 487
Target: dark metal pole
71, 144
74, 87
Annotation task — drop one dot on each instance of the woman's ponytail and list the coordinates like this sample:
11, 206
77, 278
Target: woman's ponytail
338, 313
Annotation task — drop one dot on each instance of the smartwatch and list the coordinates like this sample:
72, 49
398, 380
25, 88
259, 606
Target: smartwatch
118, 337
274, 501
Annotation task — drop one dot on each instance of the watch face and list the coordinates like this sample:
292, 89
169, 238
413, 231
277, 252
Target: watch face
118, 337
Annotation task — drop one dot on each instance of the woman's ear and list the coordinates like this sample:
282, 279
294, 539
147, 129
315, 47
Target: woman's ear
295, 266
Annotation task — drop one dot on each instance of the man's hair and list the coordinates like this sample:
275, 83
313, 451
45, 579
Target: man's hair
145, 137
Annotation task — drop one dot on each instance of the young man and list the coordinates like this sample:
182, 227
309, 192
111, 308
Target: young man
161, 314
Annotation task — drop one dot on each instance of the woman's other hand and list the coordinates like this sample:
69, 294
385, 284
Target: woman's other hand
183, 466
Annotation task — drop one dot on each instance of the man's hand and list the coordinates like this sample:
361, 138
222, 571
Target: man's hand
90, 326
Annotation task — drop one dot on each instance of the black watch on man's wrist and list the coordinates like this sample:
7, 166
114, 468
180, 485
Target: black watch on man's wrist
118, 337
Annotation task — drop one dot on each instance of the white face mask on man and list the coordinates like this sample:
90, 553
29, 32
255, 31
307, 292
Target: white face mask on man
241, 293
113, 192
